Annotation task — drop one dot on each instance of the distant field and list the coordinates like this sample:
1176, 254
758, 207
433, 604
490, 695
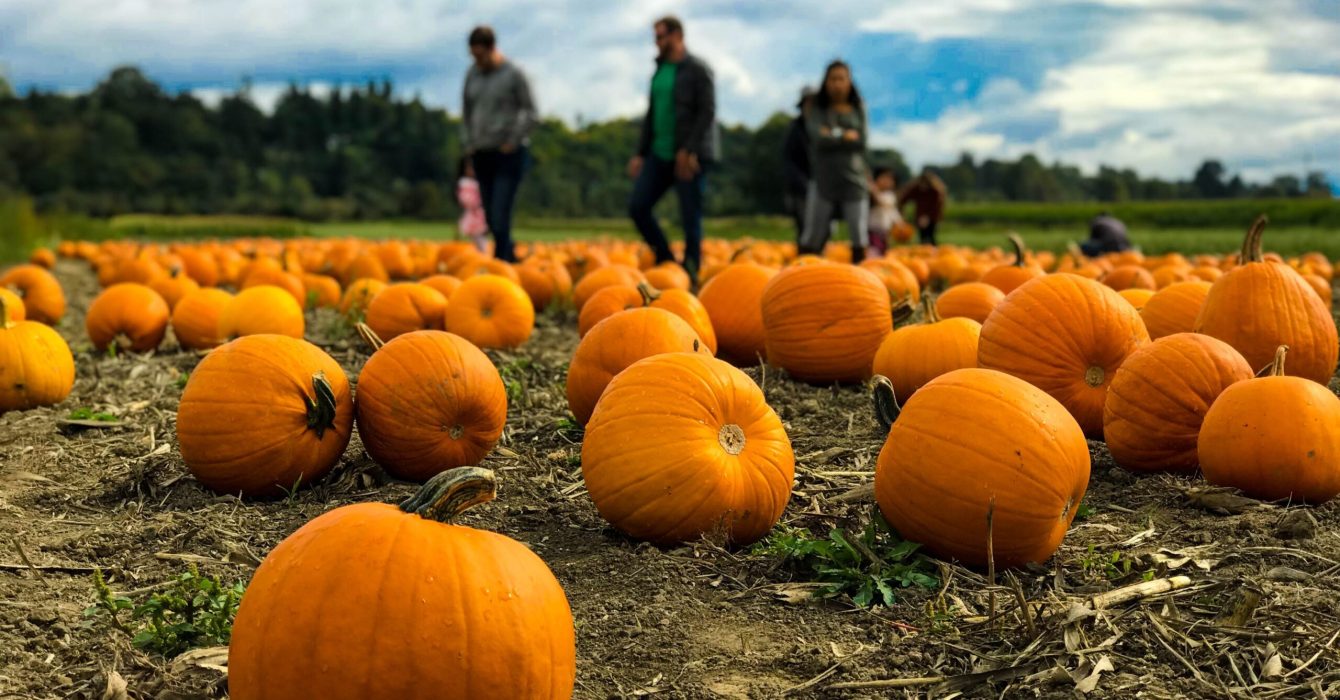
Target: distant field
1286, 240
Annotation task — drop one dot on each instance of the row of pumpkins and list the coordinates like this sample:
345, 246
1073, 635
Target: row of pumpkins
986, 459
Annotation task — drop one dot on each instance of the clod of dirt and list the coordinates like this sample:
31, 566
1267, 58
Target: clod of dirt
1296, 525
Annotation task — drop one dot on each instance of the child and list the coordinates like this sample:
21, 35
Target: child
472, 222
884, 216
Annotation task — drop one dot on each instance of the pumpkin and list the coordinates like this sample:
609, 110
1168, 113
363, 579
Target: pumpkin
1136, 297
137, 270
13, 307
683, 304
616, 343
275, 277
824, 322
404, 307
604, 277
36, 367
195, 321
1160, 396
1260, 305
358, 295
1321, 286
668, 275
264, 414
1009, 277
605, 303
1129, 277
200, 266
446, 285
366, 266
733, 299
896, 277
1004, 491
1174, 308
913, 355
43, 298
428, 401
260, 310
172, 287
130, 315
974, 300
320, 291
1276, 437
491, 312
682, 445
1066, 335
545, 281
43, 257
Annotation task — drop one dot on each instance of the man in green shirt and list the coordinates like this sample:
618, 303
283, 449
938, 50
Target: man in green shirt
679, 140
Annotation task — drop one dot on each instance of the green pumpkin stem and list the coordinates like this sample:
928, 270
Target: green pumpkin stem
451, 493
886, 401
321, 411
1020, 251
1251, 243
648, 292
369, 336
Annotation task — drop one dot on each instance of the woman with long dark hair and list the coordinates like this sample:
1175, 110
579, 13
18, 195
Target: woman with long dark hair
838, 130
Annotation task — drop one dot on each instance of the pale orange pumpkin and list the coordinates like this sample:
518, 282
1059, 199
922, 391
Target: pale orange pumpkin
491, 312
263, 309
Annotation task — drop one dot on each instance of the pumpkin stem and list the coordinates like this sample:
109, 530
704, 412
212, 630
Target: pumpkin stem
1019, 250
1075, 252
929, 314
321, 411
740, 251
451, 493
5, 321
903, 311
886, 401
648, 292
1276, 366
1251, 243
370, 336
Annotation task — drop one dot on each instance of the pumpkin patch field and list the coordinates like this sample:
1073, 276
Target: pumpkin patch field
339, 468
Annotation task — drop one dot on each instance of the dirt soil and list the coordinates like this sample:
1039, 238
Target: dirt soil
1260, 617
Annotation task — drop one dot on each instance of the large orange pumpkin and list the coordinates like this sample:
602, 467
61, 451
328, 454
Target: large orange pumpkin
1160, 396
1129, 277
1274, 438
13, 307
682, 445
320, 291
131, 315
424, 609
260, 310
913, 355
172, 287
358, 295
618, 342
43, 298
606, 302
683, 304
491, 312
405, 307
264, 414
446, 285
1174, 308
1066, 335
824, 322
1260, 305
1014, 479
604, 277
429, 401
36, 367
734, 302
195, 321
1009, 277
974, 300
545, 281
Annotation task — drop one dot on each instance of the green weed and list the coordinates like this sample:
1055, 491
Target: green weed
85, 413
195, 611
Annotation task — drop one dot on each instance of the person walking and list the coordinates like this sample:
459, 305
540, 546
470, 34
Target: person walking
837, 130
928, 194
796, 163
679, 140
497, 118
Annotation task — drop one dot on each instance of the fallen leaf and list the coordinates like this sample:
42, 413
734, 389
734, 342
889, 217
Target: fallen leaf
795, 593
1221, 500
116, 687
1272, 668
1138, 537
1089, 682
209, 658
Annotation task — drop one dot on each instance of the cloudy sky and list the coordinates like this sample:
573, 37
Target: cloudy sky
1157, 85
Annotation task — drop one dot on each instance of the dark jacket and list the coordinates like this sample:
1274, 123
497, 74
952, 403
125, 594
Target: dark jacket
695, 112
796, 157
928, 194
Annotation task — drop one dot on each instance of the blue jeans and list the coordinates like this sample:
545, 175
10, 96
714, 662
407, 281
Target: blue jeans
499, 176
656, 178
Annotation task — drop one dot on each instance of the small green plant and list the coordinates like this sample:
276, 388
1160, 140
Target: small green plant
513, 374
569, 428
866, 567
194, 611
1112, 566
182, 379
1084, 512
86, 413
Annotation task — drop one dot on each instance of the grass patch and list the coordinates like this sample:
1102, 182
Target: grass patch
193, 611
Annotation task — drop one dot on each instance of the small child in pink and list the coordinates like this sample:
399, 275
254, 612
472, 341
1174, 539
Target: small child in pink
472, 223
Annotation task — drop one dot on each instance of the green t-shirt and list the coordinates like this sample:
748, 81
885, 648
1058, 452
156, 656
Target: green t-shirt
663, 111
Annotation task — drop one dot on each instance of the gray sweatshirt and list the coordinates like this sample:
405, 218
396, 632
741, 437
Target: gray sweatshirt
837, 165
498, 108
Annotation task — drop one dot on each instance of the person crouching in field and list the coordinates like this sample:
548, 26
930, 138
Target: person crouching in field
1106, 235
837, 129
884, 216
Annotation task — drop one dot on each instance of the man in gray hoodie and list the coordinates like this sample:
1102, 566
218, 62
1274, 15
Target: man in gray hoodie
498, 116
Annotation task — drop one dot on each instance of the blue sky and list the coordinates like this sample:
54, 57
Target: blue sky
1156, 85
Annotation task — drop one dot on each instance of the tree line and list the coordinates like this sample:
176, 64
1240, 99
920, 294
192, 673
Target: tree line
364, 152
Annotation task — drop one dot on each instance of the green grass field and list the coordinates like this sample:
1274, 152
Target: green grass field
1290, 240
